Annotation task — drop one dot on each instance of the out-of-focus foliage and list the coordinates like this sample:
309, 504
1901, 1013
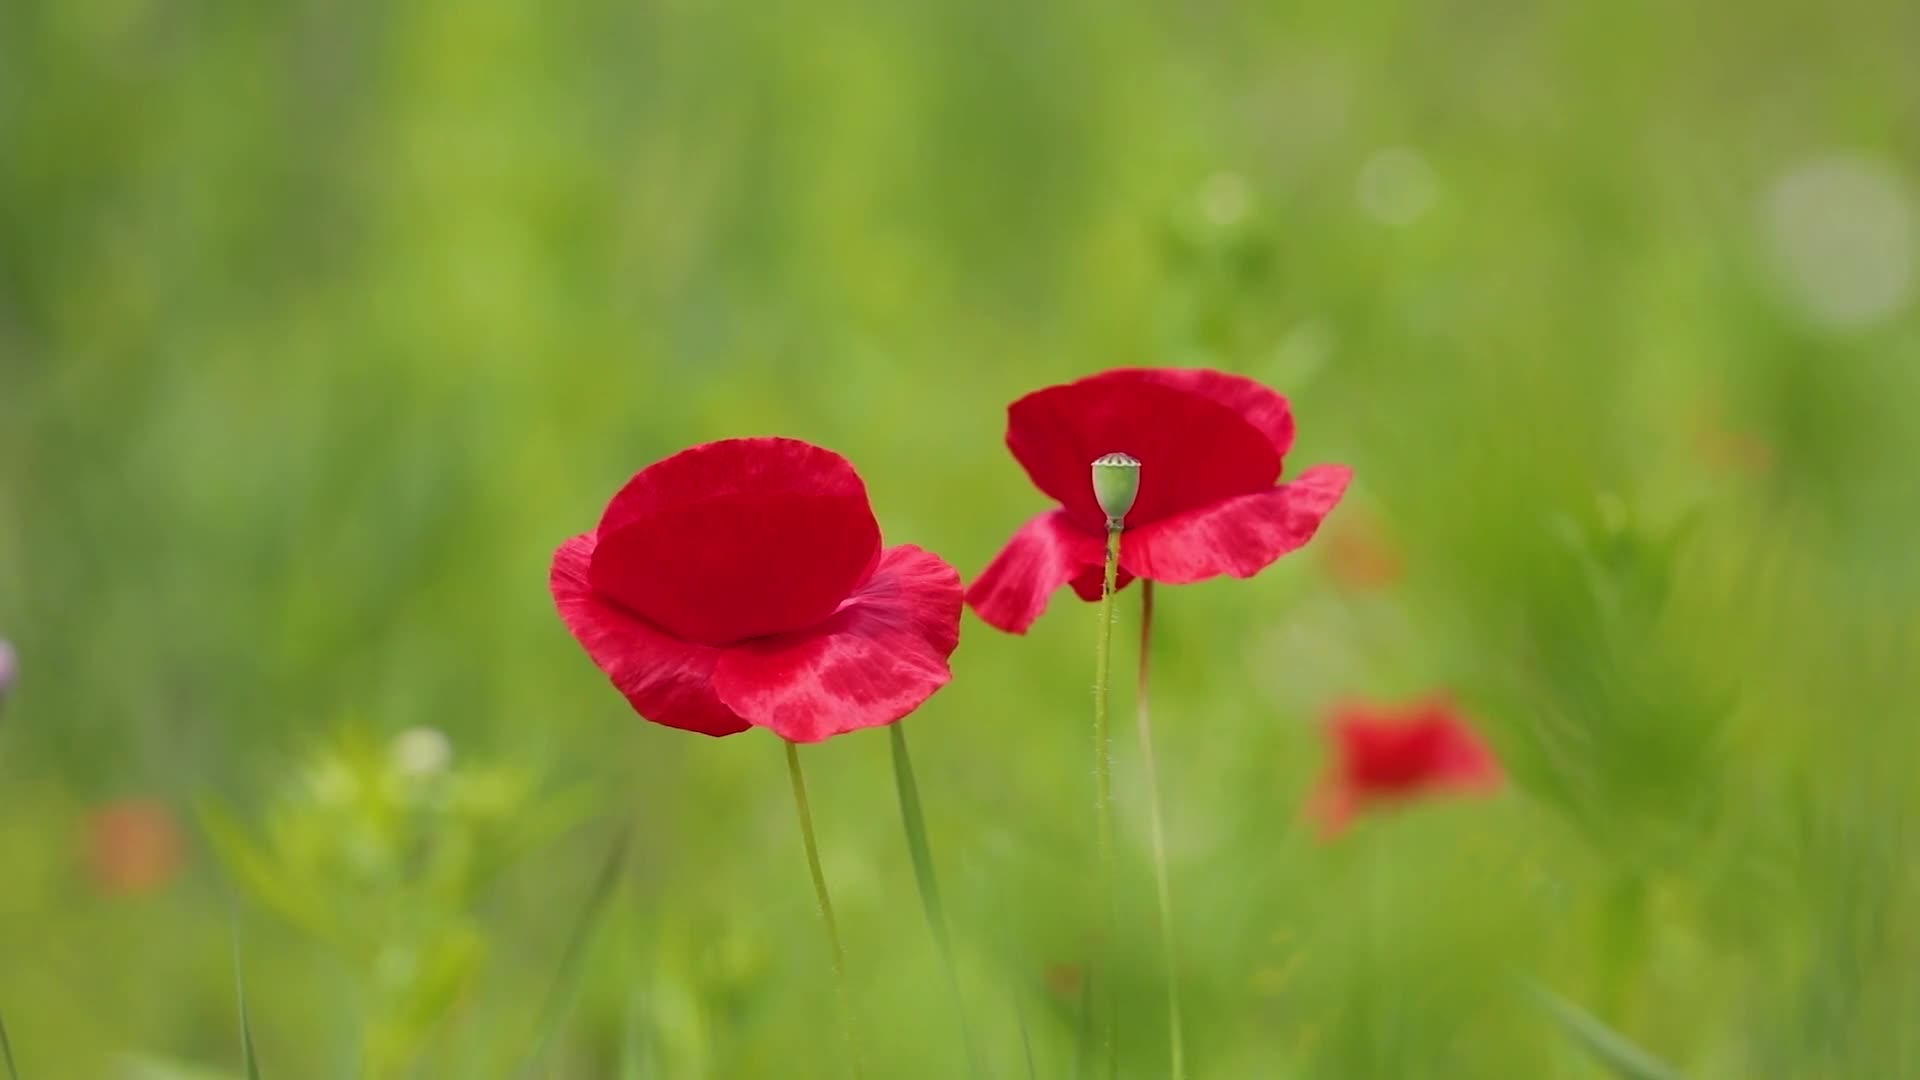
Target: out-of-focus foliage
381, 853
321, 324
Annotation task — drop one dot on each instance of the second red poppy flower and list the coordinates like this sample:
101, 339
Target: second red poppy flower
1210, 447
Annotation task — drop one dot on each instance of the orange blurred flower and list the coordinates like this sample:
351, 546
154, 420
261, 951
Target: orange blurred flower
1065, 979
1360, 556
1731, 451
133, 847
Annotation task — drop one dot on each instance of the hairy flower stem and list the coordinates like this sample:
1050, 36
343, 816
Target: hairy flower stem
826, 905
923, 875
1103, 785
1169, 947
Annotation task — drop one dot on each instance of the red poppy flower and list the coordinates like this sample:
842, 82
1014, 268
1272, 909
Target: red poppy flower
1384, 755
1210, 447
742, 584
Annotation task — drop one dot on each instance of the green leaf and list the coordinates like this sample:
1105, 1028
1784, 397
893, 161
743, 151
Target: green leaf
1607, 1046
566, 984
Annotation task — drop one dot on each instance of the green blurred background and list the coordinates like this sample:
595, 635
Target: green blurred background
321, 324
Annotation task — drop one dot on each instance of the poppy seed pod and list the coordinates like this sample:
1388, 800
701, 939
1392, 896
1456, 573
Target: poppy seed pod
1116, 483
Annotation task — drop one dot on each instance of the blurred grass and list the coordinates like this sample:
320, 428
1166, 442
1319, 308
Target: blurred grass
6, 1052
566, 985
249, 1057
1626, 1060
320, 324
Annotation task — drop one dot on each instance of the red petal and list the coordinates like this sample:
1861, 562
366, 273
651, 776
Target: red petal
1401, 751
1201, 436
882, 654
1240, 536
1049, 551
665, 680
1383, 754
1458, 760
737, 539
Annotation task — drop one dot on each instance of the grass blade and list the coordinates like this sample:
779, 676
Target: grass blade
1083, 1048
246, 1026
566, 983
915, 824
6, 1051
1607, 1046
1026, 1037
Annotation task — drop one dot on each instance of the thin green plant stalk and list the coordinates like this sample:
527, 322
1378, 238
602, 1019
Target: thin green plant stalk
565, 989
252, 1061
1103, 786
1084, 1058
1168, 943
6, 1052
915, 824
805, 815
632, 1041
1607, 1046
1026, 1037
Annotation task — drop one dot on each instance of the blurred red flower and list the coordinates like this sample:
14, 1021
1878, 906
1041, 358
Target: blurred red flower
1385, 755
133, 846
1210, 447
742, 584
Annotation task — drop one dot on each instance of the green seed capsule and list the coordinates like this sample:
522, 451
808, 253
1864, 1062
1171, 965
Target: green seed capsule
1116, 483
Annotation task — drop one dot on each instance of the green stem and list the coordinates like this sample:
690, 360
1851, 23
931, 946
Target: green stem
1103, 784
1085, 1059
923, 875
826, 904
1169, 946
240, 995
6, 1053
